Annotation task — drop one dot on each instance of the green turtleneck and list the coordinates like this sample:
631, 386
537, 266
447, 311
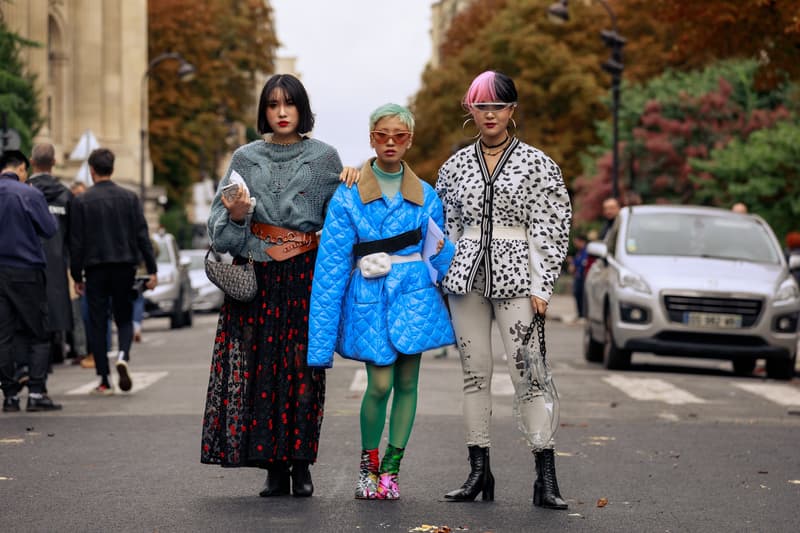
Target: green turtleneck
388, 181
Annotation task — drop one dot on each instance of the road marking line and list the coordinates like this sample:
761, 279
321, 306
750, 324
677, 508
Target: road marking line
359, 383
780, 394
141, 380
652, 389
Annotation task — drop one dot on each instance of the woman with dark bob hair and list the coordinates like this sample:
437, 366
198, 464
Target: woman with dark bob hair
264, 404
507, 210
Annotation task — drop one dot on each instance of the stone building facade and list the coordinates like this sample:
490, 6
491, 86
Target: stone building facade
442, 14
89, 71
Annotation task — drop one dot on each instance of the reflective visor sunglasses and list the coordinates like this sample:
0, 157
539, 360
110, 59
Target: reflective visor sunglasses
382, 137
492, 106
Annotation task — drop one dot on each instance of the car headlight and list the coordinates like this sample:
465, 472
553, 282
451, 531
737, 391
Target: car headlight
787, 291
630, 280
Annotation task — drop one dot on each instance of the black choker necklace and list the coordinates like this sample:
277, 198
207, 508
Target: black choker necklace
501, 143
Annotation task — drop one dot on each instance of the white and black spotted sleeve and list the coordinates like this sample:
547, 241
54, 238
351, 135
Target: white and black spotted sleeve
549, 221
448, 194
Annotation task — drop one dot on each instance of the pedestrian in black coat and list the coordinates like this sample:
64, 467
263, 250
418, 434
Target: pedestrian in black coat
56, 248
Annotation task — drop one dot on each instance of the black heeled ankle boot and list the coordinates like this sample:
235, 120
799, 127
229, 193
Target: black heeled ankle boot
301, 480
545, 488
480, 478
277, 483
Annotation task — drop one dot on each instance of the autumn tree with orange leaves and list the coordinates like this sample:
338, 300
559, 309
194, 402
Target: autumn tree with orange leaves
228, 42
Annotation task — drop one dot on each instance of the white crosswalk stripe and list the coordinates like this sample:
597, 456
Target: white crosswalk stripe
652, 389
359, 383
141, 380
774, 392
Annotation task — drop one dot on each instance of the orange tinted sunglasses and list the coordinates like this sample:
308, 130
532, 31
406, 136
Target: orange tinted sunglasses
382, 137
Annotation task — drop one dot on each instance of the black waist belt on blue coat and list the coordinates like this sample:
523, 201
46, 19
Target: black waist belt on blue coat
388, 245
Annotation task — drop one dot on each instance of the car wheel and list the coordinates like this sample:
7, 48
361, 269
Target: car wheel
744, 366
176, 318
782, 369
614, 358
592, 350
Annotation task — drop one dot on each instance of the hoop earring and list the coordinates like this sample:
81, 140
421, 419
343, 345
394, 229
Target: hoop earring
464, 125
514, 122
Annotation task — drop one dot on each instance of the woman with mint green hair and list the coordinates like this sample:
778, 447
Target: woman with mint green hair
375, 299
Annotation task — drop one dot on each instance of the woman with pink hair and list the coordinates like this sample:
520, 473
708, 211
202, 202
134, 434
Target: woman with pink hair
508, 211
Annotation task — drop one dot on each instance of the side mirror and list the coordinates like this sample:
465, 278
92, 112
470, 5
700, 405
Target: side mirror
794, 262
597, 249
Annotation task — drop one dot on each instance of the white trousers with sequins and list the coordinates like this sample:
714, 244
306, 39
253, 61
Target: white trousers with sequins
472, 321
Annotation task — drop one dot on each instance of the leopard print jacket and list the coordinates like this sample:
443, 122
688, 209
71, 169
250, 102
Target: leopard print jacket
525, 190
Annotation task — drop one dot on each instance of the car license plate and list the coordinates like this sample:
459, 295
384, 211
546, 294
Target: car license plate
712, 320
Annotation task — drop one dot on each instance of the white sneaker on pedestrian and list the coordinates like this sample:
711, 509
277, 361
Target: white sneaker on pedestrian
125, 382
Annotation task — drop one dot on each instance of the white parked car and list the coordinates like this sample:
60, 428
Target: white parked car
205, 295
172, 296
692, 281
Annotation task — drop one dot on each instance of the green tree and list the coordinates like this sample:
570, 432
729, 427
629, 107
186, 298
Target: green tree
762, 171
556, 70
18, 94
191, 124
670, 119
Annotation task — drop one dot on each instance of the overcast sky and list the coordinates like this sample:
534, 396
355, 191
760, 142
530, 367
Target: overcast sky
352, 56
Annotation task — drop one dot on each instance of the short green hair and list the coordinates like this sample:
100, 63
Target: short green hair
392, 110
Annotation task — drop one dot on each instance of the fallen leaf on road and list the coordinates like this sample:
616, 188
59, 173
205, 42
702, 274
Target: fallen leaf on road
763, 471
602, 502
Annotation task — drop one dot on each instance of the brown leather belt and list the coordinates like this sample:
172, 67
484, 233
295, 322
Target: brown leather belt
285, 242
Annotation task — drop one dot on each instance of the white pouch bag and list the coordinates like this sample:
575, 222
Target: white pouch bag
375, 265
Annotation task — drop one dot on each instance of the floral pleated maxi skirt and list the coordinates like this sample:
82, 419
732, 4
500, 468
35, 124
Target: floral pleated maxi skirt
264, 404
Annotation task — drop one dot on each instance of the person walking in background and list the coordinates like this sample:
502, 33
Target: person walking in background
108, 235
740, 207
577, 267
264, 404
508, 210
793, 248
78, 335
25, 220
610, 211
387, 214
56, 248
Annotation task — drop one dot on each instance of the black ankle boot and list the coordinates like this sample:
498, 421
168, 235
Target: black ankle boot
545, 488
301, 479
277, 481
480, 478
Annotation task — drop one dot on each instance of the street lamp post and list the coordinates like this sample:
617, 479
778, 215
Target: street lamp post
614, 66
185, 72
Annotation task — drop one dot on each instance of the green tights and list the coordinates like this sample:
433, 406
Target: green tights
403, 377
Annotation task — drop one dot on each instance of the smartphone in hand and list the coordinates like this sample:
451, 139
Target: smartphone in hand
230, 191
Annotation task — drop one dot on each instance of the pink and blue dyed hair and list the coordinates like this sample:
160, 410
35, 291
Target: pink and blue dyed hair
490, 86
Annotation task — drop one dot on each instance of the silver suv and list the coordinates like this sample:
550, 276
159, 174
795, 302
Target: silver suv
172, 296
692, 281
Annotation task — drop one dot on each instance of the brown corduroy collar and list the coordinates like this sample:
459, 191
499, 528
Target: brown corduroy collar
370, 190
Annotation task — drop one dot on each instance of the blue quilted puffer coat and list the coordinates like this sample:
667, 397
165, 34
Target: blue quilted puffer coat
375, 320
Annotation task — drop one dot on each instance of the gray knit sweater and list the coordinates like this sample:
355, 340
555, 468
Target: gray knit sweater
292, 186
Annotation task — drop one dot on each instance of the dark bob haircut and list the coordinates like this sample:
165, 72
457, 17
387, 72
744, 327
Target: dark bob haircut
294, 91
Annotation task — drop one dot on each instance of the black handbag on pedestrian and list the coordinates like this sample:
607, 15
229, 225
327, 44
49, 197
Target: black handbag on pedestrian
236, 281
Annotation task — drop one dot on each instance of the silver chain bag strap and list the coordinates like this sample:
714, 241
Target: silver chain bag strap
236, 281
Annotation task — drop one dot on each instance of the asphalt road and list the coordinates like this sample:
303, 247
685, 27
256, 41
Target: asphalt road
672, 445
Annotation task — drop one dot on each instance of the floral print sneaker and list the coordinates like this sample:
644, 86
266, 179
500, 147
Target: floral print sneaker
367, 485
388, 488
